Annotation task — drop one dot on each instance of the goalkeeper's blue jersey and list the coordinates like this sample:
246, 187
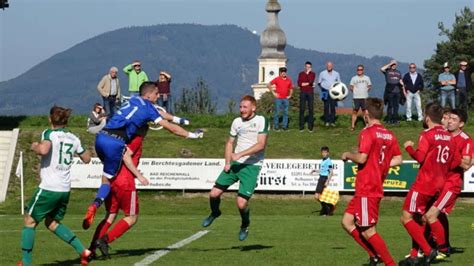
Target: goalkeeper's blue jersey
134, 114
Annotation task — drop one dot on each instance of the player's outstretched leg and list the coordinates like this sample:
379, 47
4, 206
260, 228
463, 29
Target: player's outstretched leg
244, 210
65, 234
102, 193
214, 203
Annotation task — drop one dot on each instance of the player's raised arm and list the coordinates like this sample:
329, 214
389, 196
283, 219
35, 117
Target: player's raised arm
179, 131
420, 153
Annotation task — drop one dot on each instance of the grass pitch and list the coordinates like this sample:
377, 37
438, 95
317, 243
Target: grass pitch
285, 230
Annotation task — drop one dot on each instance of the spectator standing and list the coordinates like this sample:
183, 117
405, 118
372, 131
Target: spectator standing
325, 81
109, 89
282, 89
463, 84
447, 89
393, 90
306, 83
164, 89
414, 84
360, 86
97, 119
136, 76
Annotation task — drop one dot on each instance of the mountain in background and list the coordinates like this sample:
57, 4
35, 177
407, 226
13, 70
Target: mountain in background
224, 56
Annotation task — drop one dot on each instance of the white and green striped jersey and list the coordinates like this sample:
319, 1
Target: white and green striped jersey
56, 165
246, 132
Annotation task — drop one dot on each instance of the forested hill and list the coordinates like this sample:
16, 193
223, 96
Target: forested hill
224, 56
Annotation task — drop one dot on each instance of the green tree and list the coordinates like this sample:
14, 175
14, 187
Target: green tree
458, 46
196, 100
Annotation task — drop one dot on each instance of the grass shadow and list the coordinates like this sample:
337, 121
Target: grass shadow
241, 248
135, 252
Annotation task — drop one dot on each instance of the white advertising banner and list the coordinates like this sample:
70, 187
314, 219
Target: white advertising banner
469, 180
199, 174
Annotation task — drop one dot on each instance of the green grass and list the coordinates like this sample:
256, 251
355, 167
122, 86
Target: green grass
285, 230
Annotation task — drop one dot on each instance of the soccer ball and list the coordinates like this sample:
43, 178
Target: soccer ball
338, 91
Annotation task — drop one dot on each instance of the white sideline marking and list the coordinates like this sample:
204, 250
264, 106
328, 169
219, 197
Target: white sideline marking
160, 253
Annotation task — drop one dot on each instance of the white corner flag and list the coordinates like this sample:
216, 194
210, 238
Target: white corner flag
19, 174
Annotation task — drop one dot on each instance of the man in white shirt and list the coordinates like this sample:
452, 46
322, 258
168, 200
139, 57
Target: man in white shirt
360, 86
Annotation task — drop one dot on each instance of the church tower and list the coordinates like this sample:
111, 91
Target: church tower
273, 42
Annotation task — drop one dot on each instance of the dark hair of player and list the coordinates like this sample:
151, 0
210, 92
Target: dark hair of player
59, 115
325, 148
461, 114
146, 87
434, 112
375, 107
249, 98
446, 110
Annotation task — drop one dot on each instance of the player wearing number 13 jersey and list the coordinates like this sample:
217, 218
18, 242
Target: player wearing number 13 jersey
378, 150
49, 203
436, 153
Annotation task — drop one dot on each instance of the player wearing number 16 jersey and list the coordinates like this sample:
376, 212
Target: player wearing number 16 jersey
436, 154
453, 185
378, 150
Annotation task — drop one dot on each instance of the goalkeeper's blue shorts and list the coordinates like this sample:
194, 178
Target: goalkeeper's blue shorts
110, 149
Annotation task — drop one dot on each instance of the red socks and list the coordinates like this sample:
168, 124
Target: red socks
356, 235
438, 233
416, 232
118, 230
378, 244
100, 231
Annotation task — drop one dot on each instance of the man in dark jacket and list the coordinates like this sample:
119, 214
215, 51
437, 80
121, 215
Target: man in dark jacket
306, 83
414, 84
393, 90
463, 84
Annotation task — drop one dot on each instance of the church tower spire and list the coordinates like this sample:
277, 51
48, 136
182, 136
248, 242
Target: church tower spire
273, 43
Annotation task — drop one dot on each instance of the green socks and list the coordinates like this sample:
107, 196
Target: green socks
245, 215
27, 242
67, 236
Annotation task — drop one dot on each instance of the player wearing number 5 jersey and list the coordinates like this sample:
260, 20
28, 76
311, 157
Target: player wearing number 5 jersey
50, 200
436, 153
378, 151
110, 143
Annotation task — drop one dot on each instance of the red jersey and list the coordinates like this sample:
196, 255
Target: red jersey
381, 145
125, 180
463, 148
282, 86
436, 153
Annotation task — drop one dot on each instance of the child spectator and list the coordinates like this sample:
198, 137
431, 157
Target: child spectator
325, 174
96, 120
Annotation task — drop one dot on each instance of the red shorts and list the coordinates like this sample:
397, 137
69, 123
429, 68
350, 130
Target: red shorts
416, 202
446, 200
125, 200
365, 210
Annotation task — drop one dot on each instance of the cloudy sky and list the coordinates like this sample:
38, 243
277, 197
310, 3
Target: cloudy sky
32, 31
